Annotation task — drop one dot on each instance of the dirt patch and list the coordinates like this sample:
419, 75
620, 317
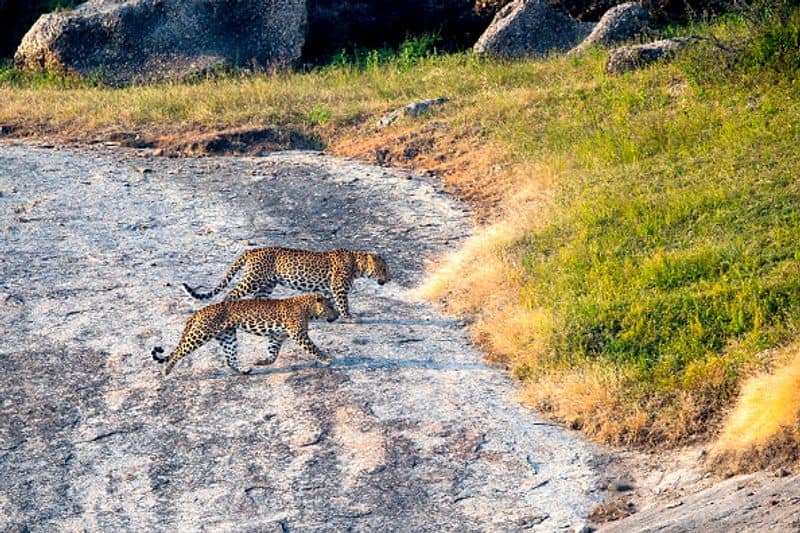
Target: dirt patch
469, 168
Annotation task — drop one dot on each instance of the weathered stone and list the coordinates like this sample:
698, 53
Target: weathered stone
619, 24
411, 110
124, 41
628, 58
408, 430
527, 28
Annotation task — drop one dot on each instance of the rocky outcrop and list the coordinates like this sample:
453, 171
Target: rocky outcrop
408, 429
628, 58
121, 42
619, 24
526, 28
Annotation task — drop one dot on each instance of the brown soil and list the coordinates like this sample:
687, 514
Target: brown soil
471, 169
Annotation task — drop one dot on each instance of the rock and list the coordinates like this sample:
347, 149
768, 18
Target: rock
527, 28
126, 41
628, 58
782, 472
619, 24
383, 440
585, 528
411, 110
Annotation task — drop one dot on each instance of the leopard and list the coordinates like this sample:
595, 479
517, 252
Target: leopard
328, 273
276, 319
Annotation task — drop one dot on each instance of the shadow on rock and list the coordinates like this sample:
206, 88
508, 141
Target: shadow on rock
356, 363
240, 141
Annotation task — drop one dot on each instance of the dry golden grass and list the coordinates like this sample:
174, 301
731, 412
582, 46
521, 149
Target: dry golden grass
764, 425
483, 278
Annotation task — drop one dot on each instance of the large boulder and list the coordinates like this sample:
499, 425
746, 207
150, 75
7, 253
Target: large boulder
628, 58
125, 41
526, 28
620, 23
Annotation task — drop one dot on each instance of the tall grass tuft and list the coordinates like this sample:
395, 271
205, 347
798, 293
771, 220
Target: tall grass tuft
764, 426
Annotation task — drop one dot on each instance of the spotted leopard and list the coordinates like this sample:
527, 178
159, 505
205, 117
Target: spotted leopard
328, 273
275, 319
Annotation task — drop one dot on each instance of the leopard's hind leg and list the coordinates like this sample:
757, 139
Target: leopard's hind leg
227, 339
274, 343
265, 290
249, 285
194, 336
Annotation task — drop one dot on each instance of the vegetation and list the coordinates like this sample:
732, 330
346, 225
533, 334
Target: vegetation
763, 428
668, 262
642, 253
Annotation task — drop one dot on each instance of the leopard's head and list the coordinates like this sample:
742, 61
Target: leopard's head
375, 268
321, 307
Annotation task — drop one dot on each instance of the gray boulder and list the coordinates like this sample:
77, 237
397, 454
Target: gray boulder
628, 58
125, 41
618, 24
414, 109
526, 28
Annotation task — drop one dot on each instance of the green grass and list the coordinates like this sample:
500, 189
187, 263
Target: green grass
676, 239
669, 254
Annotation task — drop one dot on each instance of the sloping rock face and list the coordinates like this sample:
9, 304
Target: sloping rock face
408, 429
628, 58
124, 41
526, 28
619, 24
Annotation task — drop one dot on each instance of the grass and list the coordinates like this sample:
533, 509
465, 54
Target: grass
765, 422
639, 256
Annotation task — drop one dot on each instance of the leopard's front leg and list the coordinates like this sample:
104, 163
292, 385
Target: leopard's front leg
300, 337
339, 290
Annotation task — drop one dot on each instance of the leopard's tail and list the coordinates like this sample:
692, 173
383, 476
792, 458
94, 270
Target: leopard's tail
229, 275
157, 352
